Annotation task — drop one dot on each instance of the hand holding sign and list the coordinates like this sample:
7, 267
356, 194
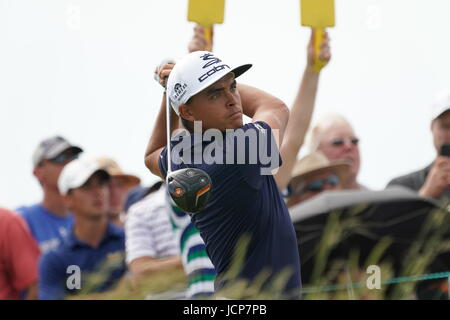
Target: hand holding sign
324, 54
206, 13
198, 41
317, 14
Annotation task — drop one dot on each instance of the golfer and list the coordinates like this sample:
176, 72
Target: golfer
244, 203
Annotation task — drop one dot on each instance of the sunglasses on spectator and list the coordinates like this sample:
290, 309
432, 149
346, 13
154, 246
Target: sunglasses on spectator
64, 157
319, 185
338, 142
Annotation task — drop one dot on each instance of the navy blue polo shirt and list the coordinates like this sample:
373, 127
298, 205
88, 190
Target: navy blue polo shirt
56, 268
244, 203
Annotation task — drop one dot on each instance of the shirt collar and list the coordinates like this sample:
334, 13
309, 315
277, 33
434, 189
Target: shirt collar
112, 232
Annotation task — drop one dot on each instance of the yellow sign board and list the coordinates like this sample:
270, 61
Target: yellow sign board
317, 13
206, 12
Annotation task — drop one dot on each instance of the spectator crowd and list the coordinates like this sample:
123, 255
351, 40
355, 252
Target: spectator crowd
95, 217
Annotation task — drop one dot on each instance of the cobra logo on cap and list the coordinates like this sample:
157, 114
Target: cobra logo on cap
211, 61
210, 58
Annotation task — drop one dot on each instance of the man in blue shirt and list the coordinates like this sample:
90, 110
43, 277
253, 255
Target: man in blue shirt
50, 221
245, 201
94, 245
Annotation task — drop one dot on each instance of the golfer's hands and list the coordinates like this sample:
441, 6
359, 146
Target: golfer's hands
325, 51
198, 41
162, 71
438, 178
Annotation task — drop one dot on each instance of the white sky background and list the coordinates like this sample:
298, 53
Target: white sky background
84, 69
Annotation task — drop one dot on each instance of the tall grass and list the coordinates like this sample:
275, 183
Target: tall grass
343, 278
346, 278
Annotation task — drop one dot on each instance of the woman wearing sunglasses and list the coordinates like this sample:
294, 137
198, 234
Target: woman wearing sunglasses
335, 138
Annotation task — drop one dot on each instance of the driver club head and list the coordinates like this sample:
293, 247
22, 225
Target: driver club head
189, 188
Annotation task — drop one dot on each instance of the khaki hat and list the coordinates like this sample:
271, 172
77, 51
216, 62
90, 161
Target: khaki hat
317, 162
114, 170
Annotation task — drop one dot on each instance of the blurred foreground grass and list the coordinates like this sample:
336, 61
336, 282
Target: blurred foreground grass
340, 279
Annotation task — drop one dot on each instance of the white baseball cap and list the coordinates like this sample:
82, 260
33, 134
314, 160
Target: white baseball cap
77, 172
440, 105
195, 72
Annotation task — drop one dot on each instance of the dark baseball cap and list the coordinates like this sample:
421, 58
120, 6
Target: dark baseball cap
51, 148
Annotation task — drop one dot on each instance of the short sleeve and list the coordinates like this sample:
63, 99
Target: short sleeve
23, 254
256, 152
405, 181
139, 240
148, 229
162, 162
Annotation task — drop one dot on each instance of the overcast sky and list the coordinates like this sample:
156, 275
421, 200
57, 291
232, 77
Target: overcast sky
83, 69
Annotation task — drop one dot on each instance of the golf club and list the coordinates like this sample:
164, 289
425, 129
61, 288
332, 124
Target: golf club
189, 188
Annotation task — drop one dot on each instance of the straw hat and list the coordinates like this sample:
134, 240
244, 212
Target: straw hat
317, 162
111, 166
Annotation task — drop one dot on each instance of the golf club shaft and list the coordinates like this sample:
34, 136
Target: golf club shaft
168, 131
